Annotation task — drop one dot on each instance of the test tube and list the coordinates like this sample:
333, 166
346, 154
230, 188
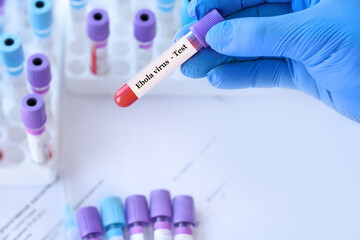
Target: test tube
98, 31
39, 77
144, 33
185, 18
166, 17
161, 214
14, 82
137, 216
167, 62
184, 217
89, 223
78, 13
34, 118
113, 217
41, 20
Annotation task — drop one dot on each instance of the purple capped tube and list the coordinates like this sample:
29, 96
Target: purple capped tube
137, 217
161, 214
39, 77
89, 222
98, 31
184, 217
34, 118
144, 33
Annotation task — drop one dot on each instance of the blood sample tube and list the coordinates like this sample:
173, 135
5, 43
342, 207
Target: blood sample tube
184, 217
113, 217
39, 77
144, 33
89, 223
98, 31
166, 17
137, 217
78, 13
34, 119
41, 19
15, 81
161, 214
167, 62
185, 18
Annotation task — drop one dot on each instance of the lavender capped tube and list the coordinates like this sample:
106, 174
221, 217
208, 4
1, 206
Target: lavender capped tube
34, 118
144, 33
98, 31
161, 214
184, 217
39, 77
137, 217
89, 222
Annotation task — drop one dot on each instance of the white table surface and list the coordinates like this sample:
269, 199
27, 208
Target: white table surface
267, 164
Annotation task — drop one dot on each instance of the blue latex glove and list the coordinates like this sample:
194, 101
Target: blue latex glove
309, 45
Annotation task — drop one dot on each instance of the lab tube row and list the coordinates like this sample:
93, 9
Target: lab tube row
164, 217
18, 103
102, 37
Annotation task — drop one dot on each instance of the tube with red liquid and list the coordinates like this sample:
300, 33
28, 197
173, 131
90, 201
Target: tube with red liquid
167, 62
98, 31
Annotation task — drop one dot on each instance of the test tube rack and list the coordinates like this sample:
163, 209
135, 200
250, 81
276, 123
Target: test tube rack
16, 165
122, 55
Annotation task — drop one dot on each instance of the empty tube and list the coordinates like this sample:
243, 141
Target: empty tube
144, 33
41, 19
167, 62
39, 77
14, 81
34, 118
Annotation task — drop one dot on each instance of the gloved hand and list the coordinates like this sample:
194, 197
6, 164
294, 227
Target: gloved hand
309, 45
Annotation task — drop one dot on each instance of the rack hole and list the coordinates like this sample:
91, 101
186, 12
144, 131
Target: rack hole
16, 134
39, 4
31, 102
98, 16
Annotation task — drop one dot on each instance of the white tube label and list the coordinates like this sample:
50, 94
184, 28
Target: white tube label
183, 237
39, 148
137, 236
162, 234
161, 67
117, 238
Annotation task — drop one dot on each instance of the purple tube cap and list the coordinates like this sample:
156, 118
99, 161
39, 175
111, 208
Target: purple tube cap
144, 25
184, 210
136, 209
33, 112
200, 28
38, 70
160, 204
89, 221
98, 25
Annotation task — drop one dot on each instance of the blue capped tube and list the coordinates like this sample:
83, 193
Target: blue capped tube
12, 54
41, 20
166, 18
113, 217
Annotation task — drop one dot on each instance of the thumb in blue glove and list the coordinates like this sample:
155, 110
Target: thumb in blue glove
315, 50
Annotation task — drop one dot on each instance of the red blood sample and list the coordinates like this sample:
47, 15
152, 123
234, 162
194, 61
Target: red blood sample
124, 97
